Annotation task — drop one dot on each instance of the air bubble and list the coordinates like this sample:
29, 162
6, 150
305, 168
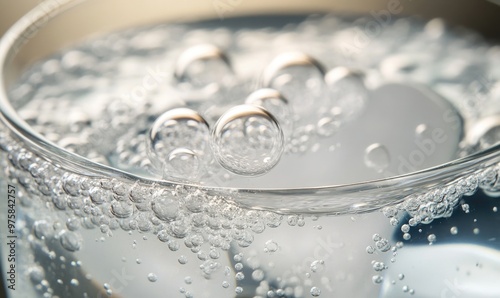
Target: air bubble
317, 266
315, 291
272, 101
177, 143
247, 140
271, 246
165, 208
327, 126
377, 279
152, 277
431, 238
202, 66
70, 241
182, 260
258, 275
182, 163
377, 157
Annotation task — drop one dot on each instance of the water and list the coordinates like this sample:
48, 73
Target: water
258, 107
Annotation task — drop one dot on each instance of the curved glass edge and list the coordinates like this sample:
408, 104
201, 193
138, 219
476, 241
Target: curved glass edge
349, 198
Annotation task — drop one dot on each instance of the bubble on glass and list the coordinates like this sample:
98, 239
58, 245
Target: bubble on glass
431, 238
203, 66
258, 275
272, 101
315, 291
152, 277
286, 62
377, 157
327, 126
70, 241
182, 163
271, 246
347, 93
247, 140
178, 142
299, 77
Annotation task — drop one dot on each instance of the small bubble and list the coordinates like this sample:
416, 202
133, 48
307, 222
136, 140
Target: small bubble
315, 292
327, 126
405, 228
401, 276
495, 209
377, 157
74, 282
247, 140
406, 289
377, 279
466, 208
394, 221
431, 238
238, 266
376, 237
183, 260
258, 275
370, 249
454, 230
175, 129
406, 236
188, 280
239, 276
271, 246
476, 231
383, 245
152, 277
225, 284
317, 266
70, 241
273, 102
238, 290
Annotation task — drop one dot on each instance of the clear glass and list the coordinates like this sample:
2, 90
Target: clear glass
79, 228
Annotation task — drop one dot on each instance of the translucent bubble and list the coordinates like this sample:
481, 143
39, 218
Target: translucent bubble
431, 238
299, 77
405, 228
203, 66
273, 102
401, 276
183, 260
347, 92
247, 140
182, 163
383, 245
70, 241
239, 276
225, 284
271, 246
176, 129
258, 275
42, 229
317, 266
152, 277
165, 208
290, 62
406, 236
377, 157
315, 292
370, 249
377, 279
